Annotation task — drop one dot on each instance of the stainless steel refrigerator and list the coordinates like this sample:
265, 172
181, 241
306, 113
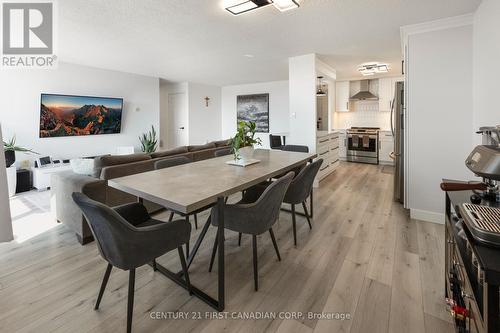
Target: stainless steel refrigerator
397, 128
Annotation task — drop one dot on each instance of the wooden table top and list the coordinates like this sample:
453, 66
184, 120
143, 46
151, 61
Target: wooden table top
189, 187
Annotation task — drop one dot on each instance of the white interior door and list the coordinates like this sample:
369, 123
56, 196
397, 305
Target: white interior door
177, 120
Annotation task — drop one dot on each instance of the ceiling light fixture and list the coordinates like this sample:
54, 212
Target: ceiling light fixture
248, 5
372, 69
284, 5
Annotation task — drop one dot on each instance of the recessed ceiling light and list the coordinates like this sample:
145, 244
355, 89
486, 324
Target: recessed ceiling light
284, 5
372, 69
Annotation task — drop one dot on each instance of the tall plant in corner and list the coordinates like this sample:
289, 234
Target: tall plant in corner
245, 136
10, 149
149, 142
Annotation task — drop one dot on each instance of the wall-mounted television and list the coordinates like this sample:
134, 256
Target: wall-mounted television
70, 115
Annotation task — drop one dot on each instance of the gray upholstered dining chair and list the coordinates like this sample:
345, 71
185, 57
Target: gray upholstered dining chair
171, 162
223, 152
299, 190
127, 238
255, 218
275, 141
296, 148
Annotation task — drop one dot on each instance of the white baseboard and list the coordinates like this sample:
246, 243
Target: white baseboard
427, 216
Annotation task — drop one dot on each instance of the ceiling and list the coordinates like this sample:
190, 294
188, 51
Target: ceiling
198, 41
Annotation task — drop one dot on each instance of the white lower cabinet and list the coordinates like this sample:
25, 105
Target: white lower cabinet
342, 145
327, 148
386, 147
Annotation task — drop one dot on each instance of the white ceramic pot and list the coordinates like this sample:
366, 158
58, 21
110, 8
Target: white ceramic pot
246, 153
11, 180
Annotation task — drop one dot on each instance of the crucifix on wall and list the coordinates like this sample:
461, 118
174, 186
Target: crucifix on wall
207, 99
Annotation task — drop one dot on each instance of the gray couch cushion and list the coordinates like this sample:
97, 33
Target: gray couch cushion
170, 152
201, 147
110, 160
222, 143
122, 170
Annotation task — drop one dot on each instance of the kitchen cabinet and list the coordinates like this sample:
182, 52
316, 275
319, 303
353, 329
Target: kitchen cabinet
342, 94
327, 148
342, 145
386, 147
386, 88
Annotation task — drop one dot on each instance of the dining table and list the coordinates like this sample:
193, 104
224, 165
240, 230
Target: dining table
193, 187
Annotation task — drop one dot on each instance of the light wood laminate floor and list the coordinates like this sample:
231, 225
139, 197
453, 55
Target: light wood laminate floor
364, 257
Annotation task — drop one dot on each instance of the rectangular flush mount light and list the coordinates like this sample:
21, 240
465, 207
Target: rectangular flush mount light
284, 5
247, 6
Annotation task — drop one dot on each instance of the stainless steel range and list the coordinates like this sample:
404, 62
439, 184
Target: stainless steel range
362, 144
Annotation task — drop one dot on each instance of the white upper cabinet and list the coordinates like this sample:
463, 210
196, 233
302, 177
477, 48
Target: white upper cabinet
386, 88
342, 92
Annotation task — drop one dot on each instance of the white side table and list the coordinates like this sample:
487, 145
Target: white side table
41, 176
11, 180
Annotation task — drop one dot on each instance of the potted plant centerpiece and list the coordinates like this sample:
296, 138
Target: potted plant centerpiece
244, 138
10, 149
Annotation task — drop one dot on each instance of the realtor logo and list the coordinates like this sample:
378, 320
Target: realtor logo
28, 34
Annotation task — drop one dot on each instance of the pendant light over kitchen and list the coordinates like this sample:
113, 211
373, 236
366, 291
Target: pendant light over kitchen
320, 91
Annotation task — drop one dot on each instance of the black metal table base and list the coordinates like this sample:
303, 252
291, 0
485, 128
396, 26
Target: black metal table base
217, 304
177, 278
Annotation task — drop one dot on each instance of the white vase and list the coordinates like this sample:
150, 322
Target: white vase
246, 153
11, 180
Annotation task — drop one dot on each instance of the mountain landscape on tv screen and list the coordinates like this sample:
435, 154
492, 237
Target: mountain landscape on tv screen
70, 120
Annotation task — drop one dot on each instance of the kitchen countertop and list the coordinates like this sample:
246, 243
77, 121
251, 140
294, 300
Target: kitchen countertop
320, 134
343, 130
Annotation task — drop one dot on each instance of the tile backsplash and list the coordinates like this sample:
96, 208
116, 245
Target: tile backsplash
364, 113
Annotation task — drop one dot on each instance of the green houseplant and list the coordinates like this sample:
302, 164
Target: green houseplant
245, 136
10, 149
149, 142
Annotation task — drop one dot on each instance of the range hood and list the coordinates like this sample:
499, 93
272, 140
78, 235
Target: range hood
364, 94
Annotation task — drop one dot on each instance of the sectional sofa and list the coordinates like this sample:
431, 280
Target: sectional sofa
109, 167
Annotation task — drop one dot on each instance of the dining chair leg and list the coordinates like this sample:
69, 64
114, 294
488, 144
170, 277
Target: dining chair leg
187, 243
155, 268
103, 286
239, 239
294, 226
275, 244
214, 251
196, 221
171, 217
255, 268
185, 269
307, 214
311, 202
130, 305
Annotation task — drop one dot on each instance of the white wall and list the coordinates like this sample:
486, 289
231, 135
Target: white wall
486, 54
204, 122
20, 107
278, 107
439, 110
302, 89
167, 88
5, 220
